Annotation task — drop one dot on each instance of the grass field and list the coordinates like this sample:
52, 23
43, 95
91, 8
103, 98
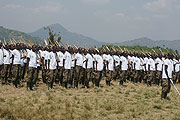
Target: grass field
132, 101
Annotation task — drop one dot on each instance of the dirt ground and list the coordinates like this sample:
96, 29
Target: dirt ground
132, 101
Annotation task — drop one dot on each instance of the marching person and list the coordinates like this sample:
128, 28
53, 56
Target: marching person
110, 68
52, 65
98, 67
89, 67
124, 68
16, 61
67, 60
79, 63
166, 76
31, 65
1, 60
7, 57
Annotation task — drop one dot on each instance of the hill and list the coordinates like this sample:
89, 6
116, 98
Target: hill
67, 36
173, 44
7, 34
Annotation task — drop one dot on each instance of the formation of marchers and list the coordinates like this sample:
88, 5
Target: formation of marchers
72, 66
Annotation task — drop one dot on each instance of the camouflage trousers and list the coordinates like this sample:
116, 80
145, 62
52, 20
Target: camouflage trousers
116, 72
158, 77
109, 75
44, 75
16, 74
123, 76
96, 76
59, 74
72, 75
151, 76
175, 77
10, 71
166, 86
78, 75
5, 73
141, 76
178, 77
31, 75
87, 76
51, 76
137, 76
1, 72
23, 71
37, 74
66, 77
132, 75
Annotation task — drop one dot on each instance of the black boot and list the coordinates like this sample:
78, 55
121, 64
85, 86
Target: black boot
109, 83
15, 84
31, 85
76, 84
163, 95
51, 85
121, 83
65, 85
28, 85
106, 82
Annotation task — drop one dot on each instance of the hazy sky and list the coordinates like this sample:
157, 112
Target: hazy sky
104, 20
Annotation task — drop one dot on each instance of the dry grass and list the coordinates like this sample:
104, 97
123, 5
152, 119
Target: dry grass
135, 101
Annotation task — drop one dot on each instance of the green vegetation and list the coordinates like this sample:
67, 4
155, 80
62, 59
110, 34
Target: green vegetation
143, 49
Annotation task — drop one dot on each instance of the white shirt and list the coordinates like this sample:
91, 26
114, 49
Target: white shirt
7, 57
177, 67
61, 57
146, 62
22, 60
110, 63
33, 59
117, 60
25, 59
99, 60
137, 63
105, 57
84, 62
124, 65
133, 61
17, 57
46, 57
79, 59
53, 62
90, 61
169, 69
38, 58
1, 56
68, 60
141, 64
152, 64
159, 65
73, 60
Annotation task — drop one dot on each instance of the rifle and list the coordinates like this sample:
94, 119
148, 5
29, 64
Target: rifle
3, 50
63, 45
46, 44
67, 44
120, 49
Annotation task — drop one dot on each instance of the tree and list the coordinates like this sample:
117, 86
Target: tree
52, 36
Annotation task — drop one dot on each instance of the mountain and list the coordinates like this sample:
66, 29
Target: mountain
67, 36
173, 44
7, 34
